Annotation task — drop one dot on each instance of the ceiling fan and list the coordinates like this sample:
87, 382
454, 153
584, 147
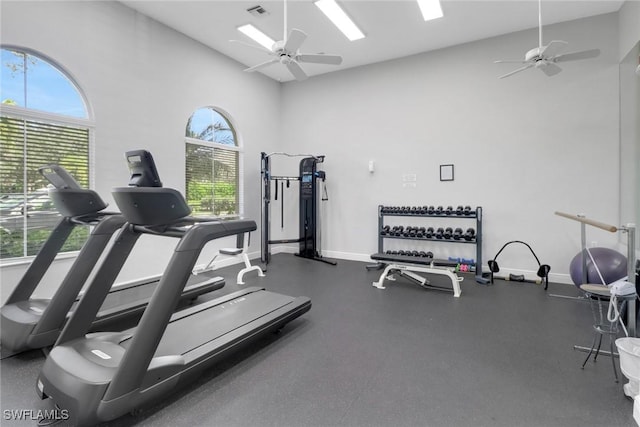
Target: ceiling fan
286, 52
545, 58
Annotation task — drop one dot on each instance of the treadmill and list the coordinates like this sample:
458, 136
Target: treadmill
101, 376
30, 323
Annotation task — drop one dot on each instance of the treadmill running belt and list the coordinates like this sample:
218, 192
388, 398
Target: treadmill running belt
188, 333
141, 293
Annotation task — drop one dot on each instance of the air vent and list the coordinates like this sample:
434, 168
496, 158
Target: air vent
258, 11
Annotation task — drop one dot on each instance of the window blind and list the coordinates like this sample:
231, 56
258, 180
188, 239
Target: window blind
212, 180
27, 214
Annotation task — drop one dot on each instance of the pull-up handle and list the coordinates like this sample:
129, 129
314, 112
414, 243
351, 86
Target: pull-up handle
598, 224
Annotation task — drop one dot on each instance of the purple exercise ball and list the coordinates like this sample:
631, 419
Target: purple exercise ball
612, 265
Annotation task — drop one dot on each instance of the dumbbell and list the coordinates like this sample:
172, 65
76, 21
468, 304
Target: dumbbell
457, 234
421, 232
449, 210
448, 232
429, 254
415, 253
440, 233
385, 230
470, 234
423, 210
459, 210
406, 232
413, 232
468, 211
399, 230
388, 252
439, 210
429, 233
394, 252
414, 210
431, 210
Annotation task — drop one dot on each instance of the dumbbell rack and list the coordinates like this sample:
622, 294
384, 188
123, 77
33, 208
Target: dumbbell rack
477, 240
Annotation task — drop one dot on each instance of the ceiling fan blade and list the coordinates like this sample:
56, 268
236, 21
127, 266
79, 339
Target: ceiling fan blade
320, 58
574, 56
510, 61
294, 41
295, 69
553, 48
550, 69
260, 48
516, 71
262, 65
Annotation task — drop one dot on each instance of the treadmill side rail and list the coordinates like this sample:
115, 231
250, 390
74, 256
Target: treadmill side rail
32, 277
156, 317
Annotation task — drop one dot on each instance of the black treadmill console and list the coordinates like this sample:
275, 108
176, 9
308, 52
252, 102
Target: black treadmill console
58, 177
68, 197
143, 169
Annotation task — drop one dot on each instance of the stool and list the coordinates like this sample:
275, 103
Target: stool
599, 295
239, 251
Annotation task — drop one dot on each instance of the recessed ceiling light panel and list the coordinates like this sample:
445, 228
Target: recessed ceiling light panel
257, 35
340, 19
430, 9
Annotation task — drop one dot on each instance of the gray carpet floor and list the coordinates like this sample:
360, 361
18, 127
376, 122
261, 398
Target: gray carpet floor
499, 355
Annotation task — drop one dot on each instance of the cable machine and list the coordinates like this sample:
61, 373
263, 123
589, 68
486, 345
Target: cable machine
312, 192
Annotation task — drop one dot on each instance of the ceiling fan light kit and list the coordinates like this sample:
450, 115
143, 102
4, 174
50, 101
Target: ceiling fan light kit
544, 57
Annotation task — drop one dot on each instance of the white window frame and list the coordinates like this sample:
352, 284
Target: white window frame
22, 113
237, 148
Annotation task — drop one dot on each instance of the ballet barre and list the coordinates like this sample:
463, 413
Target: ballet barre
630, 230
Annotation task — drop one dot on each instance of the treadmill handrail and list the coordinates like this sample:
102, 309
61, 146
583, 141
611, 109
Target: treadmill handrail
97, 290
40, 264
91, 219
154, 321
55, 313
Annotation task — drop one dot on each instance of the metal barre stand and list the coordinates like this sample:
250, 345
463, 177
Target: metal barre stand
630, 229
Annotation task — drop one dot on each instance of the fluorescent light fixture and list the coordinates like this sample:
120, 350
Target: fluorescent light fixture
257, 35
340, 19
430, 9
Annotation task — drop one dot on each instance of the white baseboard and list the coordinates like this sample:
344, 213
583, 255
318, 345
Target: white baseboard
353, 256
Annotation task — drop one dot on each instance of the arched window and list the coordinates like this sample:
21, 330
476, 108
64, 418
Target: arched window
213, 164
43, 120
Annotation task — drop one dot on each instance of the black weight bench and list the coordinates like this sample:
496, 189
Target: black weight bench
408, 265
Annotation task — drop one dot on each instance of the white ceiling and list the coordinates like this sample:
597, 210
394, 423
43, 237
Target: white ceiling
393, 28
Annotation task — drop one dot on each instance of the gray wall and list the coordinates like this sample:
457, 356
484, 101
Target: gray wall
629, 29
630, 140
143, 81
523, 147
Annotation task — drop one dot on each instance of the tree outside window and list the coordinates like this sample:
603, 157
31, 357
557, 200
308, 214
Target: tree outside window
43, 120
212, 164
